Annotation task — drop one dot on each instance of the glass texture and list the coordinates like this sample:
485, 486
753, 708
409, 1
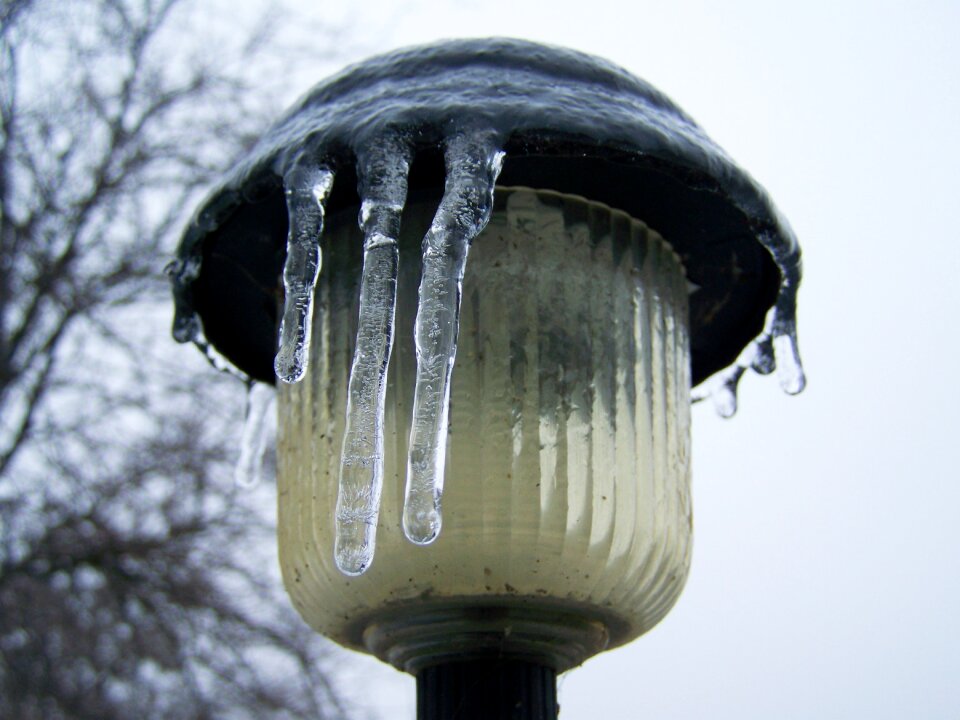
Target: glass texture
568, 463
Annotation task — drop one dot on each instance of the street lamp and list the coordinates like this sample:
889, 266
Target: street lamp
484, 468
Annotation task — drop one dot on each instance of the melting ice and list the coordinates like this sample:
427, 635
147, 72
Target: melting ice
473, 163
473, 98
306, 189
382, 174
256, 435
473, 160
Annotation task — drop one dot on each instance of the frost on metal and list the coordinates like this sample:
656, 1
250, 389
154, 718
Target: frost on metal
549, 118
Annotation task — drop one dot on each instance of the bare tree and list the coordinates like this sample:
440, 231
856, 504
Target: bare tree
131, 576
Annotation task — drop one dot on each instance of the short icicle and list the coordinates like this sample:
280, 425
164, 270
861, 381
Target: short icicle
307, 188
724, 395
182, 272
722, 388
473, 163
253, 443
782, 326
764, 361
775, 349
789, 367
382, 169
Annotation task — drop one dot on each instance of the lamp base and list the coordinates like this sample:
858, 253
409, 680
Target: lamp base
485, 689
414, 638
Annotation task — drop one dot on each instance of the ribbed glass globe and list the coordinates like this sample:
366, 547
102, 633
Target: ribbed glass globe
566, 508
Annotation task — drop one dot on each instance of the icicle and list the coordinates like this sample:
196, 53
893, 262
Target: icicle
725, 393
789, 367
187, 328
722, 387
382, 170
186, 322
783, 317
775, 349
254, 442
472, 162
307, 189
764, 361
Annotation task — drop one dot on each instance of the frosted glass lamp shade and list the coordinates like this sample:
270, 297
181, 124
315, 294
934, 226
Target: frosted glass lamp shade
566, 507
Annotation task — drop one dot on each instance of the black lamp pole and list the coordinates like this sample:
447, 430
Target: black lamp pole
489, 689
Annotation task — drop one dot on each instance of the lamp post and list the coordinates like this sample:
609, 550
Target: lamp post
484, 467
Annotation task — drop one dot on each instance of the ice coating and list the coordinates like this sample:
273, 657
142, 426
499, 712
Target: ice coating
253, 442
306, 189
775, 348
621, 142
564, 121
767, 353
181, 273
473, 162
382, 175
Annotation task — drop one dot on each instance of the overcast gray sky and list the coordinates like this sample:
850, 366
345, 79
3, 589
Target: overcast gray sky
826, 570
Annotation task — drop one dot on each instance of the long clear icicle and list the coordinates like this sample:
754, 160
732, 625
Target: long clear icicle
307, 188
383, 169
473, 163
256, 435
